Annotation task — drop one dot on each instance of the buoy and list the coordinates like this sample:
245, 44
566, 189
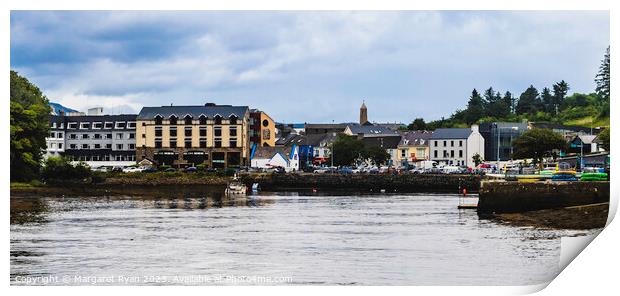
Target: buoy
464, 191
314, 190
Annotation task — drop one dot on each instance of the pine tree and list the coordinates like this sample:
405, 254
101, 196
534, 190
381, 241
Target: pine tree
475, 108
560, 90
529, 102
548, 100
602, 78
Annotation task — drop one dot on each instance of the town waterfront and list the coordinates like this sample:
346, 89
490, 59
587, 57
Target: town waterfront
274, 238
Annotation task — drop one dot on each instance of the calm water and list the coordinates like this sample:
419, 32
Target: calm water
414, 239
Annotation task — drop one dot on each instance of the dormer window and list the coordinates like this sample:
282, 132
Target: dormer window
232, 119
131, 124
173, 119
84, 125
120, 125
97, 125
188, 119
158, 120
203, 119
73, 125
218, 119
109, 125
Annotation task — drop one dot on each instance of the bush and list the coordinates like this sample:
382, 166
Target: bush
61, 169
201, 167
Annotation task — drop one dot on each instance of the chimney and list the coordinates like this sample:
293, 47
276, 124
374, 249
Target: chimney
474, 128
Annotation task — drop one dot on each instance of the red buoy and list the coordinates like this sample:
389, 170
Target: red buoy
464, 191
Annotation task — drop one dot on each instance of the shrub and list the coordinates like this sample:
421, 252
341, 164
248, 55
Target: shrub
61, 169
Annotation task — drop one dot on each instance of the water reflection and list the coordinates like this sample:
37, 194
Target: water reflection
420, 239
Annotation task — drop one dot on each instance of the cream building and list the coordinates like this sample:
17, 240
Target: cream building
214, 135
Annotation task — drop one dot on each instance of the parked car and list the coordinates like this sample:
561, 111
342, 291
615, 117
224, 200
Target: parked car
321, 170
102, 169
169, 170
132, 169
345, 170
211, 170
190, 169
149, 170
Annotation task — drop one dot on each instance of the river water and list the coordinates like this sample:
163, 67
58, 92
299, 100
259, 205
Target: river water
273, 238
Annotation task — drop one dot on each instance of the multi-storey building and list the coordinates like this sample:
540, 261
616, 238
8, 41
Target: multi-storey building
262, 129
215, 135
498, 137
456, 146
413, 147
95, 139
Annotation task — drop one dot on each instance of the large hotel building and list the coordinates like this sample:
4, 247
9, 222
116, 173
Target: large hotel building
181, 136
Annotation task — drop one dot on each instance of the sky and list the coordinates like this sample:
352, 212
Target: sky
314, 67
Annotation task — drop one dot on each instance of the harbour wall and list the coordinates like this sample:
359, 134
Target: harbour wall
365, 182
514, 197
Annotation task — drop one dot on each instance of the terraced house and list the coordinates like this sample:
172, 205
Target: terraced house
181, 136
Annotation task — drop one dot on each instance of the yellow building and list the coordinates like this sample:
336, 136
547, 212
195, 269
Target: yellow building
214, 135
262, 129
413, 147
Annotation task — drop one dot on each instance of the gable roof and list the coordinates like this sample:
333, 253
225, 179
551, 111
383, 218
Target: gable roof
195, 111
451, 133
268, 152
369, 130
415, 138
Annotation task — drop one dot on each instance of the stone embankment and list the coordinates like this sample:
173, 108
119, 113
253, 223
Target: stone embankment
365, 182
514, 197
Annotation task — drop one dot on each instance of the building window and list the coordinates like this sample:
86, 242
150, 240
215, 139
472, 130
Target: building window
188, 131
266, 134
97, 125
445, 143
72, 125
108, 136
460, 143
265, 123
218, 119
203, 143
403, 153
435, 152
173, 143
84, 125
85, 146
108, 146
173, 131
97, 146
203, 119
445, 153
53, 124
120, 125
52, 145
233, 143
59, 135
119, 136
188, 120
143, 136
188, 143
173, 120
460, 153
132, 146
85, 136
131, 124
59, 145
109, 125
158, 131
157, 143
158, 120
73, 146
97, 136
217, 143
203, 131
119, 146
452, 153
73, 136
451, 143
132, 135
232, 131
436, 143
52, 135
232, 119
217, 131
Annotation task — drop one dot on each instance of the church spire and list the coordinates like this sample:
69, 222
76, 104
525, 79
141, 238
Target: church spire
363, 113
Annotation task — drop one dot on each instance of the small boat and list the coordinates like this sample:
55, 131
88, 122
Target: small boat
235, 187
594, 177
255, 187
564, 176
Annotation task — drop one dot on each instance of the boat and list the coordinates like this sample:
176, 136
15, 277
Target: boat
235, 187
594, 177
564, 176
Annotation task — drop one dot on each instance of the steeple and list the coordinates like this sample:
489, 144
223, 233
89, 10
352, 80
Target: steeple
363, 113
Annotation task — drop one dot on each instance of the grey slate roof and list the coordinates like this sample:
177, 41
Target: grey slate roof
195, 111
415, 138
369, 130
451, 133
268, 152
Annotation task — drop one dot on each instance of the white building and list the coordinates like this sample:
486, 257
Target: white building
456, 146
271, 157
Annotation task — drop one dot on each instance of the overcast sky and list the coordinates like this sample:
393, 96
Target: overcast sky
303, 66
